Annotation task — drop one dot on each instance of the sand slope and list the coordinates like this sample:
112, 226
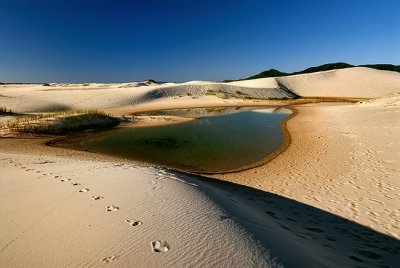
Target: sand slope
358, 82
352, 82
62, 212
343, 159
37, 98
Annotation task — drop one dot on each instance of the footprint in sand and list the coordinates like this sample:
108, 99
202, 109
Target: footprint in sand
75, 184
84, 190
134, 223
64, 180
95, 197
112, 208
109, 259
159, 246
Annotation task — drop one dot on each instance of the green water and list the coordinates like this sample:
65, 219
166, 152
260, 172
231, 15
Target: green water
218, 143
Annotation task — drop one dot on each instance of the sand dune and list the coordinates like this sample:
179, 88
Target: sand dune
329, 200
352, 82
358, 82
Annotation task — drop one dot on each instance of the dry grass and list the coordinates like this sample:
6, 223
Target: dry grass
218, 93
62, 122
5, 111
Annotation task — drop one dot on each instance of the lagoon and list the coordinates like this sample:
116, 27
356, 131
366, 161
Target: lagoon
219, 141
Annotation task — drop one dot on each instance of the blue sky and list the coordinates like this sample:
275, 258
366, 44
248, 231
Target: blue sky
121, 40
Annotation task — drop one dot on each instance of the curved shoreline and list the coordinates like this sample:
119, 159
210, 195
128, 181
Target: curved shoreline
299, 181
285, 144
282, 147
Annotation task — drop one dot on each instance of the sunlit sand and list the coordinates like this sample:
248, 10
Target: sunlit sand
330, 197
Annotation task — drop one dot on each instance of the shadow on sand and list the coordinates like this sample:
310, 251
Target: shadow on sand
299, 235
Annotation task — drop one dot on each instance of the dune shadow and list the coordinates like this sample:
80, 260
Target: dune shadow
299, 235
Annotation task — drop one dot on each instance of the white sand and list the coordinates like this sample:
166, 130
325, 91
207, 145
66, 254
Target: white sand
329, 200
344, 159
354, 82
47, 222
38, 98
257, 83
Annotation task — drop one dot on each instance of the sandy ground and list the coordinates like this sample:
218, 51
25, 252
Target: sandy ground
343, 159
329, 200
63, 212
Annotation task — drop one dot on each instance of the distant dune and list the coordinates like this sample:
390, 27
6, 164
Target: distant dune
322, 68
357, 82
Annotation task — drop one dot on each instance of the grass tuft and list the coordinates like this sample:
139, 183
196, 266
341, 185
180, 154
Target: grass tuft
218, 93
62, 122
5, 111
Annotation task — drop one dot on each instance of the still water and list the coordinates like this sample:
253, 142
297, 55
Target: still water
215, 142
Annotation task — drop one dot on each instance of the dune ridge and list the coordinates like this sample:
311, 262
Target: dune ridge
357, 82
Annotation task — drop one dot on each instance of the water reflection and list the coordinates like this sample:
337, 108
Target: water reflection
217, 143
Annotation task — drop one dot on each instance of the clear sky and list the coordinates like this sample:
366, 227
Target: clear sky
180, 40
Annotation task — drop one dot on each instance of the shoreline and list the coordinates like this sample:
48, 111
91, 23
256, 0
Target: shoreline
162, 120
189, 103
252, 173
326, 159
178, 120
285, 144
266, 219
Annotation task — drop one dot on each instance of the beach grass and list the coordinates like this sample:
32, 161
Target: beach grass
218, 93
62, 122
6, 111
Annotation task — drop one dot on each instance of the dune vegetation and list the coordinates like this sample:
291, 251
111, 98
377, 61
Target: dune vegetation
5, 111
61, 122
